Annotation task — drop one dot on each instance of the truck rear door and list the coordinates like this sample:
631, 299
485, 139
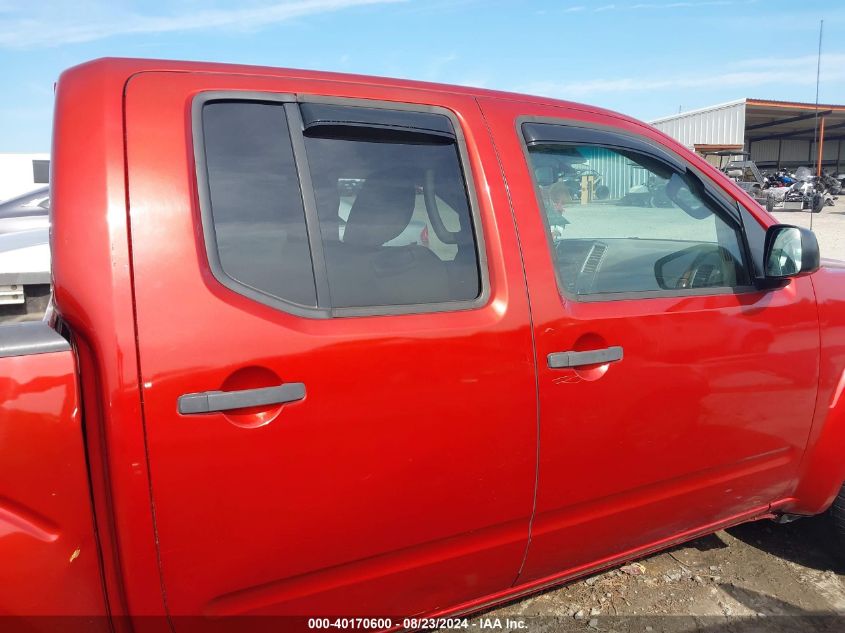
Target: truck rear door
338, 379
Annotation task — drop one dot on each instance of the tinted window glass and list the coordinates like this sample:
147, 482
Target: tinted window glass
620, 221
394, 218
256, 202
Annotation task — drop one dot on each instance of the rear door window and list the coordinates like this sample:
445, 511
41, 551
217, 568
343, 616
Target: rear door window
258, 219
335, 207
394, 217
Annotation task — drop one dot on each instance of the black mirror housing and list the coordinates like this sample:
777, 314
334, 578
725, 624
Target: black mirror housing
790, 251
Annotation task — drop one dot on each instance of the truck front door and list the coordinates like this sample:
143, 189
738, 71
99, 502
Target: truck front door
674, 395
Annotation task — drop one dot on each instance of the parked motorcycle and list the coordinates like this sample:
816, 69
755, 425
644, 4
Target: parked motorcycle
652, 193
833, 185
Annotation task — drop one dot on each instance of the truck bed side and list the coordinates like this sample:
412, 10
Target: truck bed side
48, 545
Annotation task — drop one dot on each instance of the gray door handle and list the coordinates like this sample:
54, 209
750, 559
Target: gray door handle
211, 401
559, 360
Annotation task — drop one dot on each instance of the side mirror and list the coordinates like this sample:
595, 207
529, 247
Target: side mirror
790, 251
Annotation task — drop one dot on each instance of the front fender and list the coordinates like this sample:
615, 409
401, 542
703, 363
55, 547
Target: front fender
823, 467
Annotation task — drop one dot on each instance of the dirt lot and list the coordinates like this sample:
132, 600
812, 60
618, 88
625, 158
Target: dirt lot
756, 577
829, 227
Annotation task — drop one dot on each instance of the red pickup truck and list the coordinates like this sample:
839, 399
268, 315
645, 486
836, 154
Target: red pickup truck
329, 345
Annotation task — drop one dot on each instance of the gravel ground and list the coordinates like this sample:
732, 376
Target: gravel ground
829, 227
755, 577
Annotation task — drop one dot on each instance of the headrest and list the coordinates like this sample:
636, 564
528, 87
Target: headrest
559, 193
382, 208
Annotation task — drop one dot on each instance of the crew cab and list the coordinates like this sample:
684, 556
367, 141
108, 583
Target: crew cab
251, 397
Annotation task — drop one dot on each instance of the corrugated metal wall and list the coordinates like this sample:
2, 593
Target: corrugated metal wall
617, 172
794, 153
829, 149
725, 125
719, 125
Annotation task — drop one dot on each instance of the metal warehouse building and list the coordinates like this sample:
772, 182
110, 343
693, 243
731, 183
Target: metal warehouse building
776, 133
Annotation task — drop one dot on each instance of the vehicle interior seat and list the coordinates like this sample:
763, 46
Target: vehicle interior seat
362, 270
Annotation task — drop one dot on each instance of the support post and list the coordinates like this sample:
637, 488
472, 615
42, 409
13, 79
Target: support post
821, 148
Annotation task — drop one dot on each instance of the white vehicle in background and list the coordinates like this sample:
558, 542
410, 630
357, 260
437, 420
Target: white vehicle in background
20, 173
24, 274
25, 256
25, 212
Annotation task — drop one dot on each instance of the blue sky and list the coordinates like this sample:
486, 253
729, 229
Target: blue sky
646, 58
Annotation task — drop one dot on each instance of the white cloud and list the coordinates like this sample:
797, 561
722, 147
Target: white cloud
56, 28
681, 5
803, 63
751, 74
640, 6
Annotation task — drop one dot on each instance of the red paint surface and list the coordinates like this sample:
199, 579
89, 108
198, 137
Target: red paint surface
404, 482
706, 416
50, 564
93, 293
823, 467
